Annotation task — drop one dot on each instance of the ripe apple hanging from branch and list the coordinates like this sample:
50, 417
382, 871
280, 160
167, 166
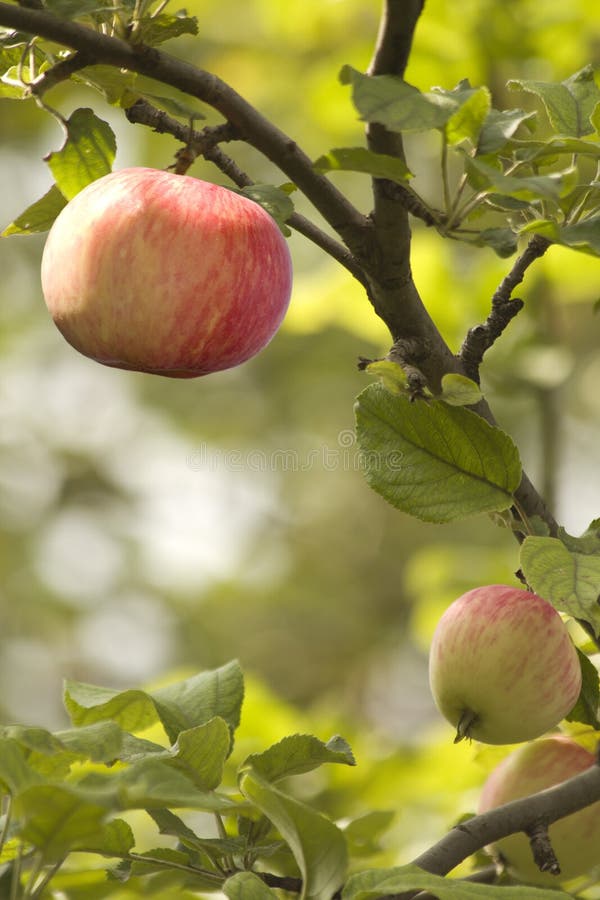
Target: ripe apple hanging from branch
167, 274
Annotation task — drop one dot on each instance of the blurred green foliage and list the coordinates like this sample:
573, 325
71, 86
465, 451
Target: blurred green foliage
148, 525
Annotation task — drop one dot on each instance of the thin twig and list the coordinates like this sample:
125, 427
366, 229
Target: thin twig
504, 308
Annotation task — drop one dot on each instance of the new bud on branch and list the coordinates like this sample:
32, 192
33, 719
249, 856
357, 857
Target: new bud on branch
502, 666
167, 274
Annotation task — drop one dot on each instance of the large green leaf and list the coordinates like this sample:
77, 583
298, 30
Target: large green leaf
466, 123
485, 176
317, 844
57, 819
499, 127
399, 106
87, 154
201, 752
583, 236
434, 461
569, 580
180, 706
299, 753
39, 216
569, 104
376, 883
359, 159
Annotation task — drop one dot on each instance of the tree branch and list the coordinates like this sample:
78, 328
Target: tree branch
504, 309
520, 815
254, 128
204, 143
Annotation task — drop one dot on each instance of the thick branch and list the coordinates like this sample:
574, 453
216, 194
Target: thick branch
253, 127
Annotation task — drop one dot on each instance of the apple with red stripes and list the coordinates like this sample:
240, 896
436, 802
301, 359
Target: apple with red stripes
164, 273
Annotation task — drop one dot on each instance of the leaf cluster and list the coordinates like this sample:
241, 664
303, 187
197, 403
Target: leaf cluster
494, 166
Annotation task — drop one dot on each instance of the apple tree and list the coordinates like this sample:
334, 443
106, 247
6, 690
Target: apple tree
518, 180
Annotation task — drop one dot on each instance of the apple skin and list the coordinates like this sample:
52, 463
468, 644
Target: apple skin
532, 768
502, 667
164, 273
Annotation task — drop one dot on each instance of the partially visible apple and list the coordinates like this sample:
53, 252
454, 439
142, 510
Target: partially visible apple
502, 667
164, 273
535, 767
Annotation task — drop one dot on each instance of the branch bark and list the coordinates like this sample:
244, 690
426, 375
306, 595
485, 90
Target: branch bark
379, 245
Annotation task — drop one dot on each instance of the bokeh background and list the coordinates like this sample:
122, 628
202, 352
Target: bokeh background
150, 526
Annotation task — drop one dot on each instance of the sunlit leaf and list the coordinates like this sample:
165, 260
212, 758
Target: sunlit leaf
583, 235
201, 752
458, 390
399, 106
359, 159
157, 29
376, 883
180, 706
434, 461
391, 375
466, 123
274, 200
569, 104
299, 753
499, 127
87, 154
39, 216
248, 886
317, 844
57, 819
567, 579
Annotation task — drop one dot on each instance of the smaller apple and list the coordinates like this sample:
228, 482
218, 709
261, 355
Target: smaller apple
532, 768
502, 668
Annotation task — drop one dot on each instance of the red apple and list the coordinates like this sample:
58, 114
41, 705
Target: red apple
165, 273
502, 667
535, 767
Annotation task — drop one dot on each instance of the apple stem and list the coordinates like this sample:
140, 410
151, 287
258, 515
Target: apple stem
463, 730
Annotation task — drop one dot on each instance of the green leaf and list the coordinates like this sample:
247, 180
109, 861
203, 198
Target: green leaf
363, 833
484, 176
57, 819
317, 844
15, 772
153, 784
247, 886
359, 159
586, 708
106, 742
375, 883
391, 375
297, 754
114, 838
399, 106
201, 752
39, 216
570, 581
434, 461
569, 104
503, 241
499, 127
173, 101
117, 86
87, 154
179, 706
458, 390
466, 123
215, 848
583, 235
542, 151
157, 29
274, 200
